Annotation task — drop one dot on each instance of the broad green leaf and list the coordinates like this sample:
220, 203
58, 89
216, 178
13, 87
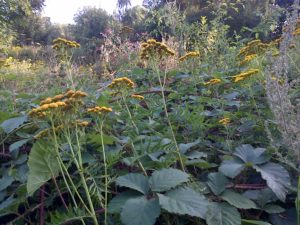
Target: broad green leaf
217, 182
231, 168
271, 208
13, 123
222, 214
277, 178
184, 201
134, 181
254, 222
166, 179
117, 203
238, 200
140, 211
5, 182
17, 145
42, 165
185, 147
250, 155
289, 218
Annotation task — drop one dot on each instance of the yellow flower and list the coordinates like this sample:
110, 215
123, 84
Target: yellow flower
296, 32
46, 101
224, 121
122, 82
100, 110
153, 48
189, 55
82, 123
140, 97
213, 81
248, 58
244, 75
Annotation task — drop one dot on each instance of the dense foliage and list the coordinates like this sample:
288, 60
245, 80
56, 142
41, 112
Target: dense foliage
152, 116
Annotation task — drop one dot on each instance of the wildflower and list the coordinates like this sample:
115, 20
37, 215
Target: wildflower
82, 123
122, 82
46, 101
59, 43
224, 121
253, 47
189, 55
244, 75
296, 32
100, 110
153, 48
213, 81
248, 58
139, 97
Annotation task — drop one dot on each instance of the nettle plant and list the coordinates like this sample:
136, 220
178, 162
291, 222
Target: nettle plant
172, 191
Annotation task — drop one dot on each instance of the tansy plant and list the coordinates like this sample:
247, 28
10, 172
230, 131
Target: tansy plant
154, 51
61, 139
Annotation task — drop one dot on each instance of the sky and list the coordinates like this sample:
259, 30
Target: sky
62, 11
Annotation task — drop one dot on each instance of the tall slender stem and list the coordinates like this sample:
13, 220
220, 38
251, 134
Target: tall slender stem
105, 173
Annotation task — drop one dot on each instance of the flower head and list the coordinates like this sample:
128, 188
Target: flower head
244, 75
224, 121
139, 97
213, 81
189, 55
121, 83
153, 48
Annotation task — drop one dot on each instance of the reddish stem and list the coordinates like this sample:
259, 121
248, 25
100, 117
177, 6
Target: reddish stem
60, 194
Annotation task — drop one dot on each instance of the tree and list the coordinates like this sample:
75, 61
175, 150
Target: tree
90, 23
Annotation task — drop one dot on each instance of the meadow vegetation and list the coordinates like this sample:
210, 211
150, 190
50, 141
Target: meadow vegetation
173, 115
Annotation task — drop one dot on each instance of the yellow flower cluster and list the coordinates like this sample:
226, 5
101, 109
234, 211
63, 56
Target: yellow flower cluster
126, 29
248, 58
253, 47
224, 121
122, 82
139, 97
244, 75
64, 43
296, 32
213, 81
61, 101
82, 123
153, 48
100, 110
189, 55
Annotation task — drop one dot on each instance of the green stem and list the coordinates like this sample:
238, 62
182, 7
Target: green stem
86, 189
162, 86
105, 174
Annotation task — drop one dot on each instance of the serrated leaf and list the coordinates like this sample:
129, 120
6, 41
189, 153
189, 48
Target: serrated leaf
272, 208
250, 155
222, 214
185, 147
70, 216
277, 178
140, 211
117, 203
231, 168
254, 222
42, 165
5, 182
17, 145
13, 123
166, 179
217, 183
184, 201
134, 181
238, 200
289, 218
